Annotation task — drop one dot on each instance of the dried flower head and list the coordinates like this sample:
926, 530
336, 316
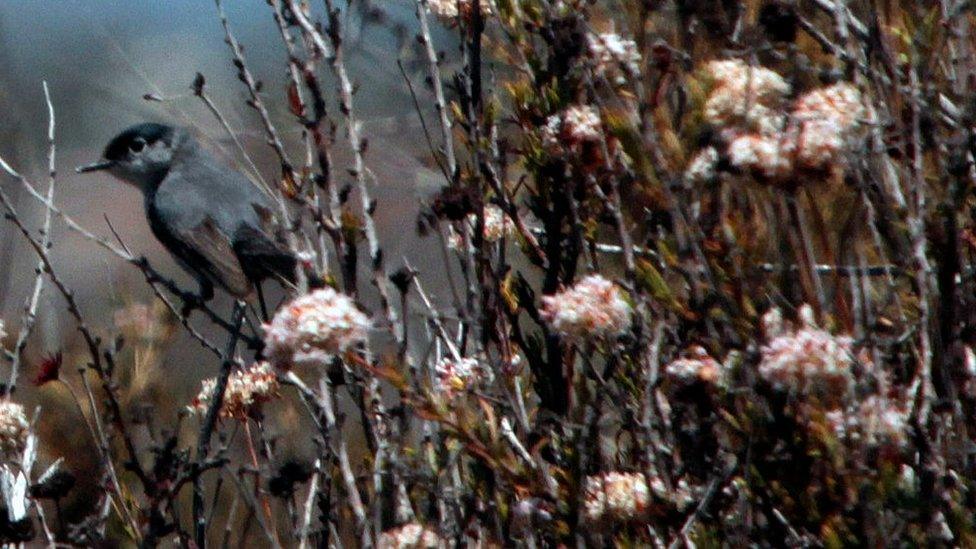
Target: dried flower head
576, 125
617, 497
448, 9
456, 376
313, 328
768, 156
610, 50
810, 362
412, 536
593, 307
13, 428
246, 389
697, 366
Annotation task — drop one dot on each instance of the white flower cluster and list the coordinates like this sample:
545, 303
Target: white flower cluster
617, 497
611, 50
824, 120
809, 361
704, 166
877, 422
575, 125
497, 224
448, 9
456, 376
768, 155
311, 329
745, 96
746, 106
245, 390
697, 366
412, 536
3, 332
593, 307
13, 428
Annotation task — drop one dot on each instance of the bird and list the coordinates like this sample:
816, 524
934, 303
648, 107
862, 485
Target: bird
219, 226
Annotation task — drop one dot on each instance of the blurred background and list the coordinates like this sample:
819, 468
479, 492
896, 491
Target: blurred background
99, 59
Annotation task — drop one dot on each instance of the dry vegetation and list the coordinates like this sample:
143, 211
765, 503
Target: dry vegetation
711, 268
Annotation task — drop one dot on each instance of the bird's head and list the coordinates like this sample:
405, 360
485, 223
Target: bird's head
140, 155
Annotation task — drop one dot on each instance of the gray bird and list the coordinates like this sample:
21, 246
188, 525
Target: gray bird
216, 223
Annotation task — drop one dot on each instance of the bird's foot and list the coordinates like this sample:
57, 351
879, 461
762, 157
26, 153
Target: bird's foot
192, 301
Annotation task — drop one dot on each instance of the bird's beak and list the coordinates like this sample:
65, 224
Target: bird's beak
96, 166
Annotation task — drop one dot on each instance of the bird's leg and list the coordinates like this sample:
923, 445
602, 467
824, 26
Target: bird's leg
261, 301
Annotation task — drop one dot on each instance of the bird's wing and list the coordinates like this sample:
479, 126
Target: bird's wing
262, 247
270, 226
220, 261
179, 217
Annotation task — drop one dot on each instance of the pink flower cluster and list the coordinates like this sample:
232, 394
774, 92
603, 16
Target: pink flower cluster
746, 106
770, 156
745, 96
877, 422
610, 50
809, 361
313, 328
616, 497
574, 126
697, 366
412, 536
497, 226
457, 376
823, 120
593, 307
246, 389
821, 125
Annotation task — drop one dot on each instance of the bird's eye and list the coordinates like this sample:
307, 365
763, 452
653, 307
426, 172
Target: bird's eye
137, 146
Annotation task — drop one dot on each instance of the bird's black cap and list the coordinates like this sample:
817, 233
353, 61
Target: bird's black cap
149, 133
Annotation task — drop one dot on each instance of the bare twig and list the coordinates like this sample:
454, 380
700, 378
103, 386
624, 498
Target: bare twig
210, 421
30, 309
